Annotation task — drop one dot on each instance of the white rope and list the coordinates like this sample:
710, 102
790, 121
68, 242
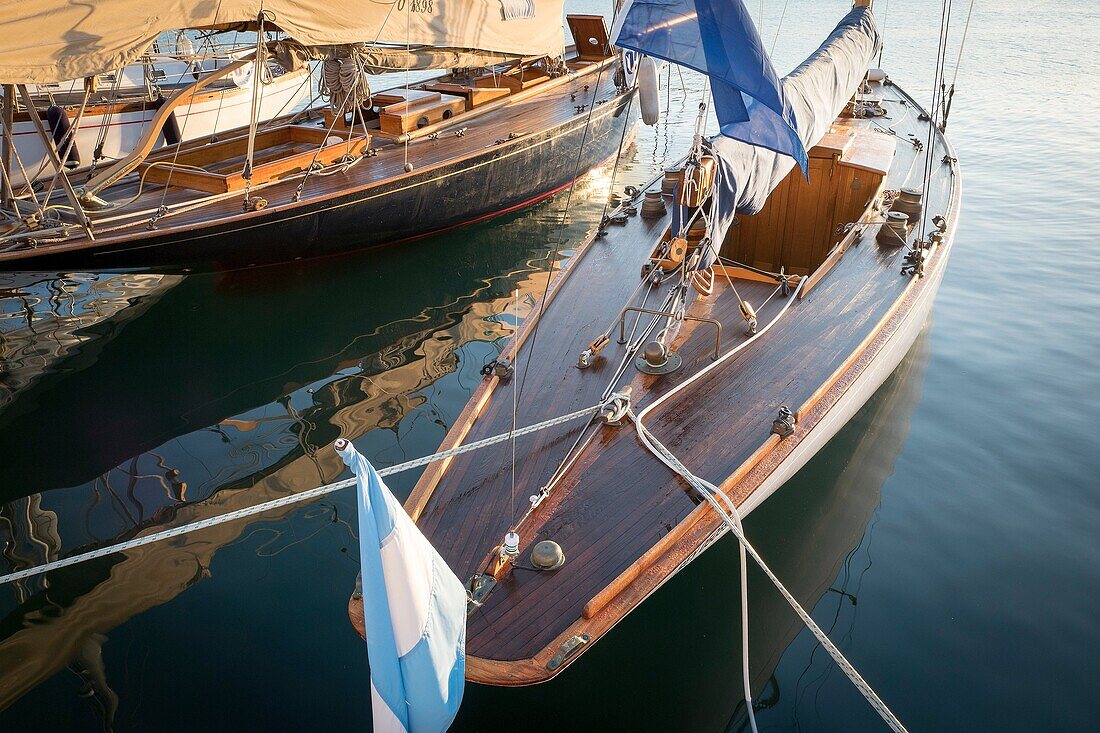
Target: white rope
732, 519
289, 500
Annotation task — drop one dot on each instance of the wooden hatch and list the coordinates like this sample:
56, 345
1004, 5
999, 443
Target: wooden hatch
590, 34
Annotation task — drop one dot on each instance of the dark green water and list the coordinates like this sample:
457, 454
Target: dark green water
946, 539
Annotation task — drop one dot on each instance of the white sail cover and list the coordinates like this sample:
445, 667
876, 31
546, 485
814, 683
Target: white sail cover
817, 91
54, 40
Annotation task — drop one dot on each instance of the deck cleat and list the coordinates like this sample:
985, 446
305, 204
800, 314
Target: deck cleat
657, 359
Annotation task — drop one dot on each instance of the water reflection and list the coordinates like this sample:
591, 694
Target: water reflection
271, 411
50, 324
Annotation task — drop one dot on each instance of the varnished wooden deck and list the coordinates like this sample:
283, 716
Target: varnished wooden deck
617, 502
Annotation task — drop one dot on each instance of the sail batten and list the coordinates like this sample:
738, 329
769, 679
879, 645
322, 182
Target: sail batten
55, 40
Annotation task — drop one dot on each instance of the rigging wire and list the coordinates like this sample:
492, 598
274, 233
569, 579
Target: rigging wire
962, 44
778, 27
552, 255
955, 76
515, 406
618, 155
408, 50
937, 99
882, 33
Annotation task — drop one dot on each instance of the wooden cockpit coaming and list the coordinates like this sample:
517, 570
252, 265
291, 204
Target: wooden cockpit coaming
805, 218
624, 521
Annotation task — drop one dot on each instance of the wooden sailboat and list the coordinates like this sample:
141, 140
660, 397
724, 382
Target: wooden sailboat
742, 369
517, 117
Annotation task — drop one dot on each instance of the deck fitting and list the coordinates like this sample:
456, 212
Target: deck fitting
783, 426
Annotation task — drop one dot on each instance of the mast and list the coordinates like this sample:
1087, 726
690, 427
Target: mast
9, 122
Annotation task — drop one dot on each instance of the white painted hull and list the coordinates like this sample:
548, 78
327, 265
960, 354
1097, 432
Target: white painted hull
121, 132
856, 396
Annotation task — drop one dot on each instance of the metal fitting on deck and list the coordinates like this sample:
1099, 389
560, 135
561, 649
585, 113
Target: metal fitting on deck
547, 555
783, 426
616, 408
510, 548
500, 368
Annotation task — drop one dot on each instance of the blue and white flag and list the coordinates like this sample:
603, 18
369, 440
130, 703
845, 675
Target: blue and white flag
414, 612
719, 39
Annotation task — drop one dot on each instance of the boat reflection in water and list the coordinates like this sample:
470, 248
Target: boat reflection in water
49, 324
266, 431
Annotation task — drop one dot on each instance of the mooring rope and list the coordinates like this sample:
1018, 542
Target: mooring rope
289, 500
732, 519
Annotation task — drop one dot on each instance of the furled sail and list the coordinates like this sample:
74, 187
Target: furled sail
719, 39
817, 92
54, 40
383, 60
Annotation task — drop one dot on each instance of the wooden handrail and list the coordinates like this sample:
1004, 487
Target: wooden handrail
152, 132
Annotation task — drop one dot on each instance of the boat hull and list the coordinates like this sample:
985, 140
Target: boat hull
483, 184
625, 524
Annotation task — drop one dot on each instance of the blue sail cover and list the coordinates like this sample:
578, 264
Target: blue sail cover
817, 91
719, 39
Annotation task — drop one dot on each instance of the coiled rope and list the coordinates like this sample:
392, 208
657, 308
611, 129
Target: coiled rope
344, 82
292, 499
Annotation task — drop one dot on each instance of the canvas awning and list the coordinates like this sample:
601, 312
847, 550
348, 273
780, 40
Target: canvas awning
54, 40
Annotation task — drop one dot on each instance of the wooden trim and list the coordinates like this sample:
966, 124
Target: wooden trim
140, 151
743, 273
503, 101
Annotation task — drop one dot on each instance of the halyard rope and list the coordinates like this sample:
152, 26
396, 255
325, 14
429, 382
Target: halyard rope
289, 500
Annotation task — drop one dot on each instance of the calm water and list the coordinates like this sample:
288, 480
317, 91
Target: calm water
946, 539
